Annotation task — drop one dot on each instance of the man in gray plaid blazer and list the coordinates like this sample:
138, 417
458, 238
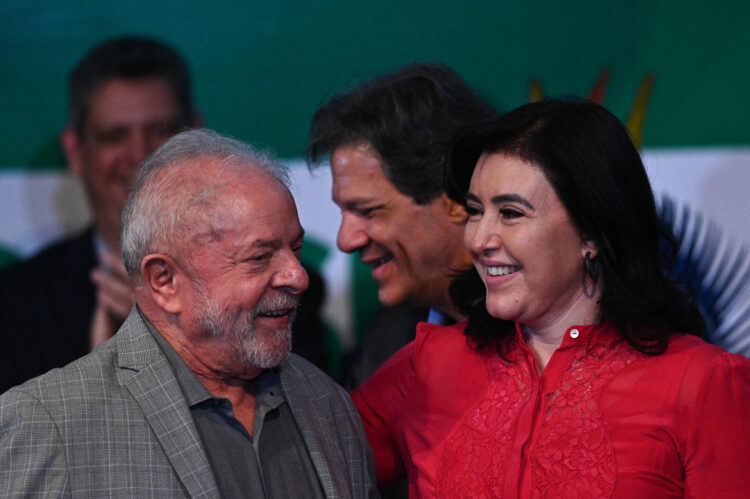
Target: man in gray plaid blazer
197, 394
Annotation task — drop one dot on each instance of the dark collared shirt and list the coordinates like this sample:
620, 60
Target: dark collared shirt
272, 462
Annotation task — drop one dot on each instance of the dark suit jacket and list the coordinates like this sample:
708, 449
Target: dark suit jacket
47, 302
46, 305
115, 424
390, 329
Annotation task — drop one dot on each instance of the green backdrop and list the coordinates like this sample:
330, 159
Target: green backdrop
262, 68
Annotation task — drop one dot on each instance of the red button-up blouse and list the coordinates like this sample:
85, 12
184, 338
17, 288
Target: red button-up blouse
601, 420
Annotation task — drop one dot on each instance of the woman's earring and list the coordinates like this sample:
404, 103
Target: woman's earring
592, 266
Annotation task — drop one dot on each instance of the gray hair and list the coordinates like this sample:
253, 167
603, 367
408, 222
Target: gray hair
159, 205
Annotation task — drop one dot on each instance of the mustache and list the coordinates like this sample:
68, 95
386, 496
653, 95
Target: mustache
277, 302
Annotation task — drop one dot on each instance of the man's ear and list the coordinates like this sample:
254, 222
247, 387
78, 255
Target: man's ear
455, 211
162, 278
70, 143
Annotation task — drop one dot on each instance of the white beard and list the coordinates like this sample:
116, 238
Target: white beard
250, 348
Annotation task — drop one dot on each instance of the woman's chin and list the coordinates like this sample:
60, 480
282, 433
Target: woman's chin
502, 312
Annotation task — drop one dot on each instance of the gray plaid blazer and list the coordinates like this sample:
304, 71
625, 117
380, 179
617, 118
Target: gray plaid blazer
115, 424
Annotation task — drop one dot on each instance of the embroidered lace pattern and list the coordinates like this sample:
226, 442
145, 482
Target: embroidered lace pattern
572, 454
481, 446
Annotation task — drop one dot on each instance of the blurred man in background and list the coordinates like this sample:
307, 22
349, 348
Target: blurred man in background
126, 98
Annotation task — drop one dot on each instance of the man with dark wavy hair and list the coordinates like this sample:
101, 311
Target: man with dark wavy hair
387, 140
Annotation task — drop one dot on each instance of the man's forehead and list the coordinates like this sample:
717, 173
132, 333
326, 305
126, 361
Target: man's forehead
207, 170
355, 165
359, 177
258, 233
125, 84
126, 99
244, 221
356, 154
245, 189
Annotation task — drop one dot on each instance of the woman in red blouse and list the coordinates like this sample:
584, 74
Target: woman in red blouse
580, 371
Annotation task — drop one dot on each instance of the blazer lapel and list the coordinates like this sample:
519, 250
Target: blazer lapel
146, 373
310, 413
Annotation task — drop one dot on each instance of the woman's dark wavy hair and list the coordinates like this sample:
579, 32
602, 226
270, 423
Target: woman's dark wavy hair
587, 156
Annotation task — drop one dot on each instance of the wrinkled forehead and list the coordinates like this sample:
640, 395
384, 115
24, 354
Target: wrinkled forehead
244, 216
251, 196
201, 172
215, 190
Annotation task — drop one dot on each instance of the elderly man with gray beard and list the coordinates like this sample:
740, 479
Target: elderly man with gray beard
198, 394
